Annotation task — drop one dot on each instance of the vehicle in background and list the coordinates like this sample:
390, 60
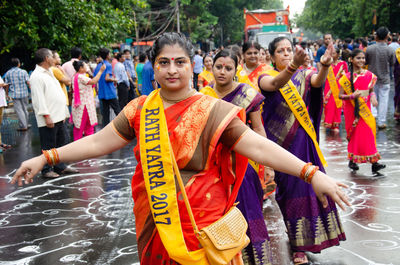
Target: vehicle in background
141, 46
265, 25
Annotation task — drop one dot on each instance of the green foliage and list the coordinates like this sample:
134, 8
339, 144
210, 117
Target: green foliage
62, 24
349, 18
197, 20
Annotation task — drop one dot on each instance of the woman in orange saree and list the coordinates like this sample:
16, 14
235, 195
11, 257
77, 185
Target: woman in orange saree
206, 78
251, 69
209, 141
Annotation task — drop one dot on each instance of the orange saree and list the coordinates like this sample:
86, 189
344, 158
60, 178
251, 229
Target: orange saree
202, 133
252, 78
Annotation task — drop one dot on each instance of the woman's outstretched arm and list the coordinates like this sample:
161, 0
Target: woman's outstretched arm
101, 143
268, 153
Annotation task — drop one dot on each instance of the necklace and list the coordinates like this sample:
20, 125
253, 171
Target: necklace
173, 101
248, 69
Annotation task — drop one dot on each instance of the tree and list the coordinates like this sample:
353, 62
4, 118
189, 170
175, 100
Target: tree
62, 24
349, 18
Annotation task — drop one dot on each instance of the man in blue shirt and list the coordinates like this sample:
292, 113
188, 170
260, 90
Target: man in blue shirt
322, 49
198, 67
122, 80
148, 82
18, 79
107, 92
130, 69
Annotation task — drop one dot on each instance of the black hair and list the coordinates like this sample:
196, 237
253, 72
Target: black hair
103, 53
76, 52
118, 56
227, 53
170, 38
364, 42
250, 44
41, 54
205, 56
325, 35
382, 33
395, 39
77, 65
126, 50
303, 44
273, 44
142, 57
353, 54
15, 62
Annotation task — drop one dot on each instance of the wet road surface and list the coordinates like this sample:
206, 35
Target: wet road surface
87, 218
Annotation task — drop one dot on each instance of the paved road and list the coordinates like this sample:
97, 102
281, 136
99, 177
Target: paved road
87, 218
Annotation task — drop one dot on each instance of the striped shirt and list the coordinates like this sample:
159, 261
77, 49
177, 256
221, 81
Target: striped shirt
17, 78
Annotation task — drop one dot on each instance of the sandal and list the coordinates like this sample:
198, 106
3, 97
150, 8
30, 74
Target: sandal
300, 258
5, 146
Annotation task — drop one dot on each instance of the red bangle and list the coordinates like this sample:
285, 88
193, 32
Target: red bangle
304, 170
51, 156
311, 175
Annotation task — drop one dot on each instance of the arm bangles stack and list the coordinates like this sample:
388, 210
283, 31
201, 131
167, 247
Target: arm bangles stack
308, 171
372, 94
51, 156
347, 97
291, 68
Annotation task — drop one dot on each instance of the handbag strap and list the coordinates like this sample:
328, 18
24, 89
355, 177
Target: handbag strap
185, 198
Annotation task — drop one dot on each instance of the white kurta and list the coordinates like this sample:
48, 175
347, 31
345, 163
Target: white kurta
3, 101
87, 100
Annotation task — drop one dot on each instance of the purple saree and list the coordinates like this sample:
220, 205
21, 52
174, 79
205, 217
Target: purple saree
310, 226
396, 72
250, 196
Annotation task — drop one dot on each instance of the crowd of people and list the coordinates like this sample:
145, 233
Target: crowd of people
241, 122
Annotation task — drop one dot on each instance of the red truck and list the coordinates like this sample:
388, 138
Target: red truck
265, 25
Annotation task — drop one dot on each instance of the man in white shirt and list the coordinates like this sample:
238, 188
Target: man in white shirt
50, 106
198, 67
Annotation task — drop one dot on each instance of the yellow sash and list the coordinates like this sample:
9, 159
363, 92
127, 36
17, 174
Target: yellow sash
209, 91
157, 163
398, 54
365, 113
299, 109
334, 87
208, 76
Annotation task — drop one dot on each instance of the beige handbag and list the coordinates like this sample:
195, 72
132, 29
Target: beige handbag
224, 238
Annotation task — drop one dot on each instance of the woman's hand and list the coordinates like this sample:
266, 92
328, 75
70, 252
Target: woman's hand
28, 170
357, 94
374, 102
327, 58
269, 174
300, 56
325, 186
